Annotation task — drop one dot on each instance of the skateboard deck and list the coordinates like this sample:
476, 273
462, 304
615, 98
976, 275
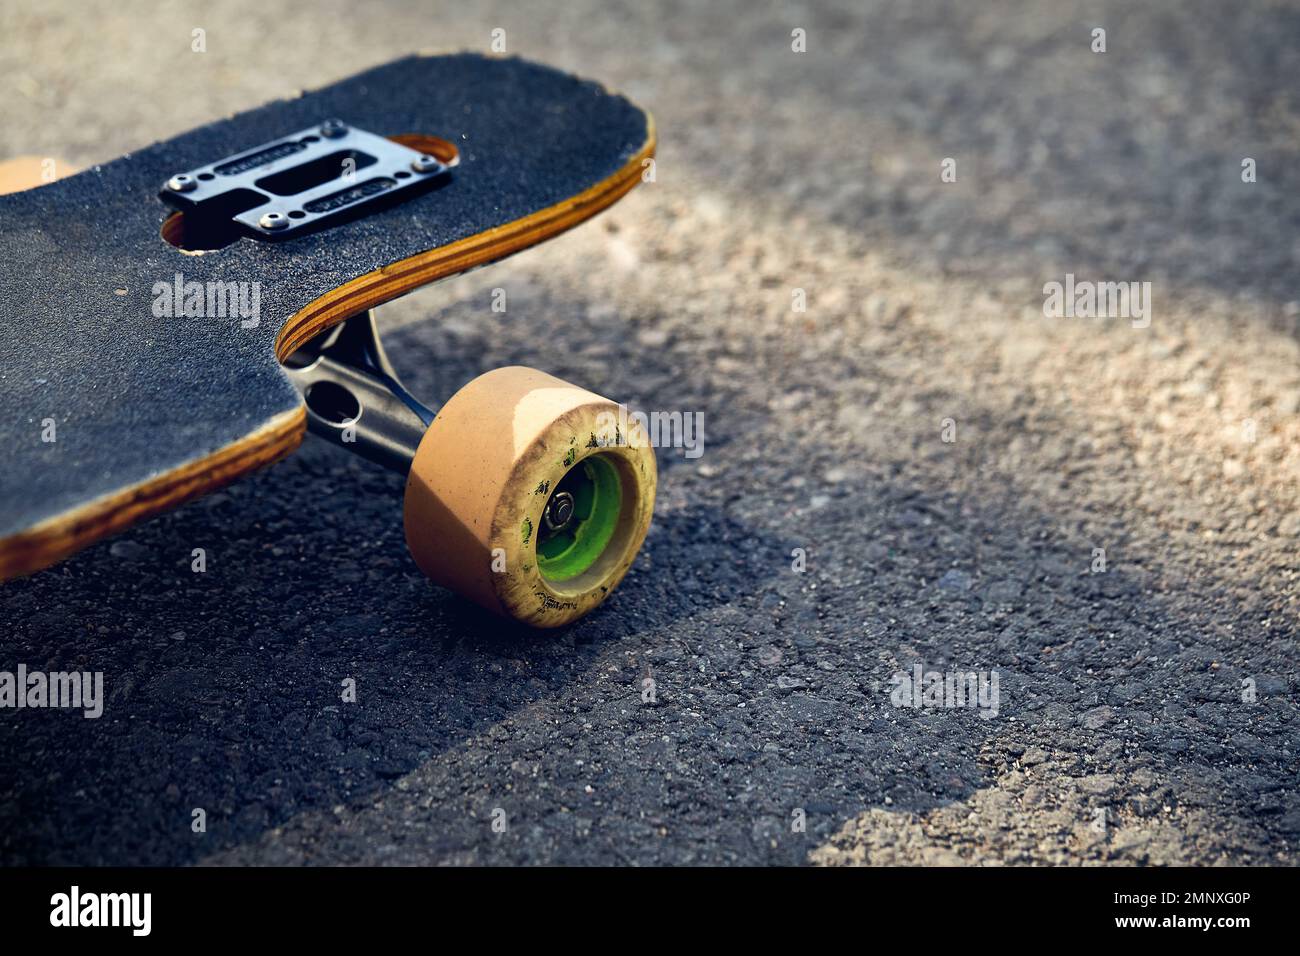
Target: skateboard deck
116, 410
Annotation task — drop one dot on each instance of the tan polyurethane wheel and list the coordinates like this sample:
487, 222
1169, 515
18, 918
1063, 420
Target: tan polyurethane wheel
530, 496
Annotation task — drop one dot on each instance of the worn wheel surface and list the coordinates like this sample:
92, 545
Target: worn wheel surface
530, 496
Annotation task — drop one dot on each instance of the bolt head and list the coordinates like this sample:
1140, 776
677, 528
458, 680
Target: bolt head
425, 164
273, 221
182, 183
333, 128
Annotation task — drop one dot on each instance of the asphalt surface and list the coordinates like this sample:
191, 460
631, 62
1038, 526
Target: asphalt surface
1125, 730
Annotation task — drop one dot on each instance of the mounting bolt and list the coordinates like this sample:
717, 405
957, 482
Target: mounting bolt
182, 183
425, 164
333, 128
273, 221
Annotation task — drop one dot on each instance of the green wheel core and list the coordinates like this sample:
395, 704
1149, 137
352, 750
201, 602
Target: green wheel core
567, 549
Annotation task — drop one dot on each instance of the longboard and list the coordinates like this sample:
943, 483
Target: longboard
120, 401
